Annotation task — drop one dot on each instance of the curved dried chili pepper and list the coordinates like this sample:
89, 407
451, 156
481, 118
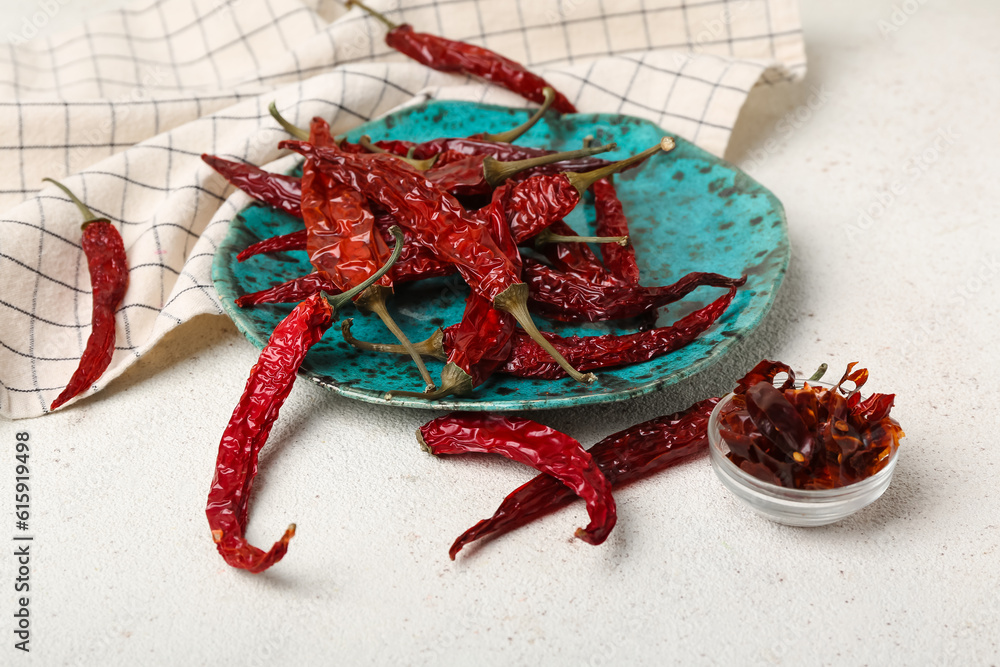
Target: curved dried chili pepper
623, 457
569, 297
292, 291
446, 55
270, 382
343, 242
108, 267
286, 242
610, 350
439, 223
541, 447
526, 359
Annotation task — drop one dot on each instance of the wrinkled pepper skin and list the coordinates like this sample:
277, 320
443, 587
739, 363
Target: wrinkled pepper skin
267, 388
610, 220
446, 55
108, 267
541, 447
592, 352
626, 456
566, 296
280, 191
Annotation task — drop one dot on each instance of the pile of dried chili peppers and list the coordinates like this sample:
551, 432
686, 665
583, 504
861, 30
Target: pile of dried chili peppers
808, 437
466, 206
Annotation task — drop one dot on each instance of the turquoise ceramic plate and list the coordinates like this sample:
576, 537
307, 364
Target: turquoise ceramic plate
688, 211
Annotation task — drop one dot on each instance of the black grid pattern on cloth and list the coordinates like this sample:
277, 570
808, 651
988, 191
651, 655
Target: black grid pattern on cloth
121, 108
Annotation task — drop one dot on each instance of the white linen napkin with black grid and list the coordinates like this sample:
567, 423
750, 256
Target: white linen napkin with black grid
121, 108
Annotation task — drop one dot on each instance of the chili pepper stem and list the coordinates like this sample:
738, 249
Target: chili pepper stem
88, 215
379, 15
496, 172
431, 347
419, 165
820, 372
373, 300
512, 135
582, 181
548, 236
514, 300
296, 132
340, 300
453, 381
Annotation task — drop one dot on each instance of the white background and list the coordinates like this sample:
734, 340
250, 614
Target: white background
124, 570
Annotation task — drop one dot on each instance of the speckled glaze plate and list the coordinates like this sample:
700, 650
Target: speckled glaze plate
688, 211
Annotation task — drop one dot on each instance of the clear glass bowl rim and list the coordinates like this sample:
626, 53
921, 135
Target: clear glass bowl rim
719, 458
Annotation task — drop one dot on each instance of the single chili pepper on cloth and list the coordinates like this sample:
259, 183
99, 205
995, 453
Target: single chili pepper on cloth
626, 456
524, 441
270, 382
447, 55
439, 223
566, 296
526, 359
108, 267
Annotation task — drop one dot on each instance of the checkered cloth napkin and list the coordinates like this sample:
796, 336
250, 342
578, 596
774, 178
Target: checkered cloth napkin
121, 108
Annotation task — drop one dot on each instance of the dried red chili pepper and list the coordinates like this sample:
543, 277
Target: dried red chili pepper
569, 297
439, 223
541, 447
108, 267
526, 359
343, 242
481, 341
270, 382
611, 221
280, 191
292, 291
809, 437
446, 55
286, 242
635, 453
538, 202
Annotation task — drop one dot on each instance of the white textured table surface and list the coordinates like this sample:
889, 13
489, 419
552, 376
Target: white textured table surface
887, 160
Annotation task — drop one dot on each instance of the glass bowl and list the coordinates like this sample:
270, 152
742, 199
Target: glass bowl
793, 507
